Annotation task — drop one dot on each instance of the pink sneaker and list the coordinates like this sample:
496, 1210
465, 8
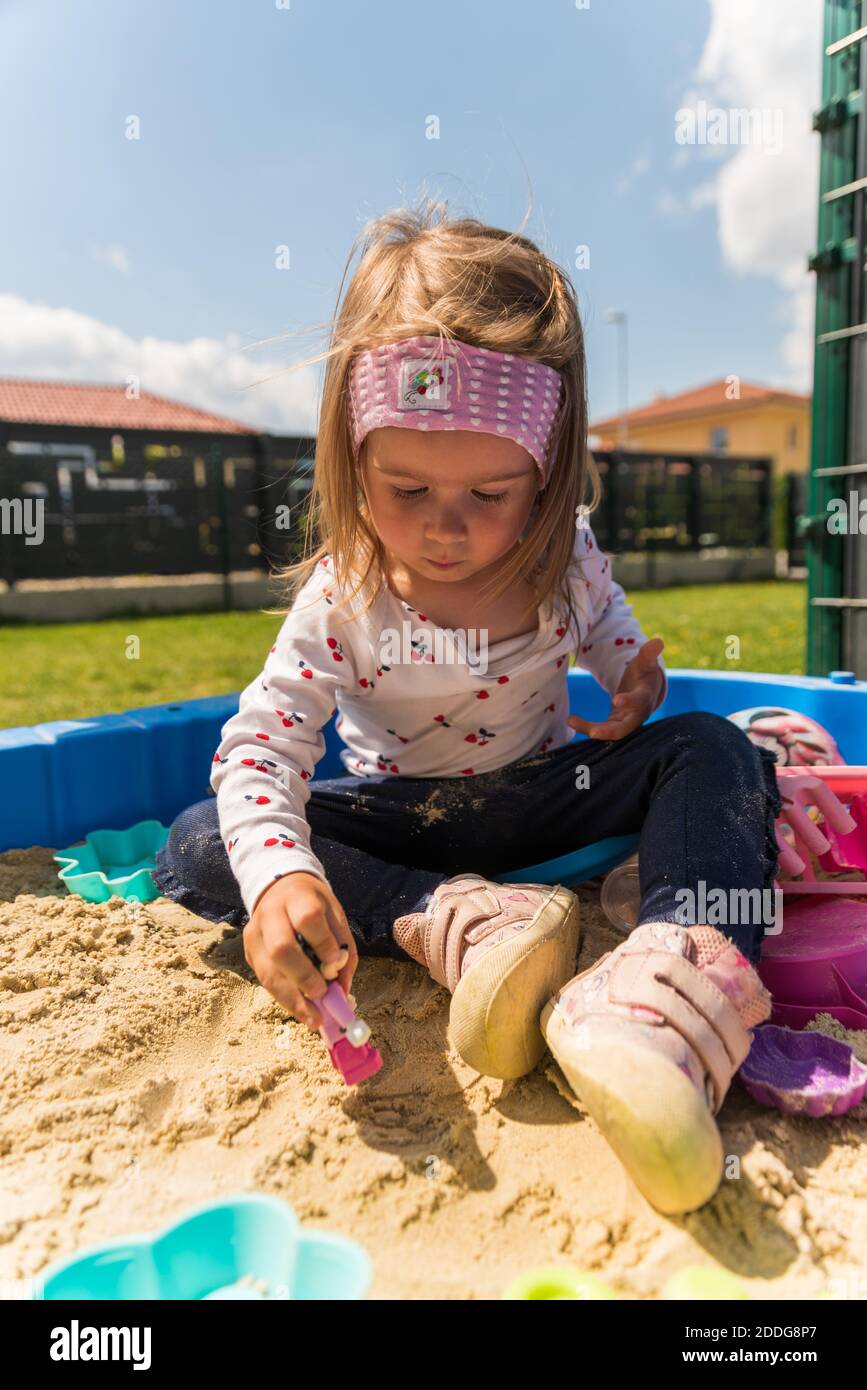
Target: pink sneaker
649, 1039
500, 949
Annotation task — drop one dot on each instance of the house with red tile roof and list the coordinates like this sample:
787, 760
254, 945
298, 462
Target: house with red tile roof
134, 483
726, 416
23, 401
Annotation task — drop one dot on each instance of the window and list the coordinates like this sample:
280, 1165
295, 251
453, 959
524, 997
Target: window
792, 437
719, 438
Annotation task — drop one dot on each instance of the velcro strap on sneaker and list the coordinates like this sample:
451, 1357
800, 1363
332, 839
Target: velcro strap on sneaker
446, 929
690, 1003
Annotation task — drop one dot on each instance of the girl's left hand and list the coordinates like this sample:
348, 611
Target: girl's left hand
636, 698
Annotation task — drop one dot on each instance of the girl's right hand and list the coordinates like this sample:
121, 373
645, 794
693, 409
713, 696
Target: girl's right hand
303, 903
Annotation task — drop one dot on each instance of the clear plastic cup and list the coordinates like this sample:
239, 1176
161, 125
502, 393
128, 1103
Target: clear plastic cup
621, 896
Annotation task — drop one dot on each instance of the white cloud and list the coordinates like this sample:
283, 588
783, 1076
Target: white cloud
767, 56
115, 256
701, 196
639, 167
44, 342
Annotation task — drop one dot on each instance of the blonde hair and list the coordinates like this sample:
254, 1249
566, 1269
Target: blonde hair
422, 272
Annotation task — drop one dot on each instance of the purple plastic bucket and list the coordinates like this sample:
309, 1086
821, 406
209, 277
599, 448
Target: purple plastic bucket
820, 957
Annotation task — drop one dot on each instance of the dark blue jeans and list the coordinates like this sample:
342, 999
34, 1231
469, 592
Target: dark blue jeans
703, 798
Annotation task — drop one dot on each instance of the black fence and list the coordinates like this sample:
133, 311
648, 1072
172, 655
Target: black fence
682, 502
142, 504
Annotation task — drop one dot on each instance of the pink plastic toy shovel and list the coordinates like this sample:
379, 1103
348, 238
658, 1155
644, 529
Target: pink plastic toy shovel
346, 1037
345, 1034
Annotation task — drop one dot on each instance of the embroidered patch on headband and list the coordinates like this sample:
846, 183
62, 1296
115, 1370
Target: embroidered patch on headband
423, 384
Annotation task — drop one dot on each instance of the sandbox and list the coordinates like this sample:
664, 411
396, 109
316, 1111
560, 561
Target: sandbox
144, 1070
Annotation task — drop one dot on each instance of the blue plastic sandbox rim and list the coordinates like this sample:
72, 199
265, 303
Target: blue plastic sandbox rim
60, 780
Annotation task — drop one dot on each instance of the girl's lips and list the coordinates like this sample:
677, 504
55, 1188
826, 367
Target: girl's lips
446, 564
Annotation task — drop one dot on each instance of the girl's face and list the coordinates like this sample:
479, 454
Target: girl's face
449, 495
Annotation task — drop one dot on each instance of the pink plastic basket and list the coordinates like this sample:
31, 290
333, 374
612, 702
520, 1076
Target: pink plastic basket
839, 841
818, 962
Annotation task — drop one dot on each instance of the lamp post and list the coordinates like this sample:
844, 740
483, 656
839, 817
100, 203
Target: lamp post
619, 317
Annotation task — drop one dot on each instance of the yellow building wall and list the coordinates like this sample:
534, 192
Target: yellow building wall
762, 430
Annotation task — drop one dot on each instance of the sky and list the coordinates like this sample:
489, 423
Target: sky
269, 124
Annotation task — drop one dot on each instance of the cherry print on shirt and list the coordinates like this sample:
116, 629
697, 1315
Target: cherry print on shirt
482, 695
336, 648
503, 680
279, 840
397, 735
293, 717
306, 671
260, 764
384, 765
482, 737
422, 616
218, 759
419, 648
468, 771
561, 631
442, 721
259, 800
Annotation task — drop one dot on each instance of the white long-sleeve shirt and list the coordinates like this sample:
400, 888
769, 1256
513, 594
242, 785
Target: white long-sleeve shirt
411, 703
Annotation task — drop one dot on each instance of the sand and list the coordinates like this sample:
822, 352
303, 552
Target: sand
143, 1071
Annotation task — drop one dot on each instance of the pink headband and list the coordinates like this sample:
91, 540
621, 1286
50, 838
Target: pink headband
417, 384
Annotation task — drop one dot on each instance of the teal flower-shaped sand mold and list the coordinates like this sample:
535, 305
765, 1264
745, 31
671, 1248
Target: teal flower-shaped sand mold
251, 1236
114, 863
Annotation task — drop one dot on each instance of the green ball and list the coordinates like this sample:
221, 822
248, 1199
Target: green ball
703, 1281
558, 1282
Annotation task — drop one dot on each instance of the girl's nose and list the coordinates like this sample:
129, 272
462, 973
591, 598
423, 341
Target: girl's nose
447, 526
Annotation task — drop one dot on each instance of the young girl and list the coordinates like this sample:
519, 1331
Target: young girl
455, 577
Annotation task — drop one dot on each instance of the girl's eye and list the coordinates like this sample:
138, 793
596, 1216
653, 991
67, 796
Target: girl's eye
417, 492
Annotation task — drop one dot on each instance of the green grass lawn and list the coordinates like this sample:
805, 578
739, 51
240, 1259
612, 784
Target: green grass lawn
769, 619
69, 671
